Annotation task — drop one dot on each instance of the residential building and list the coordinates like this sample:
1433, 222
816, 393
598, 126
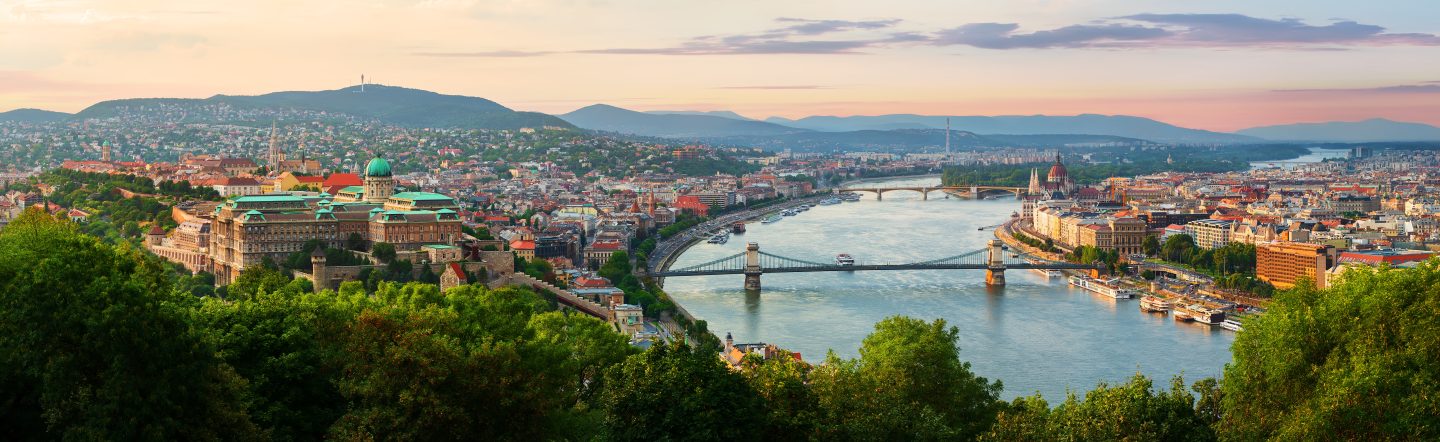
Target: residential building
1282, 264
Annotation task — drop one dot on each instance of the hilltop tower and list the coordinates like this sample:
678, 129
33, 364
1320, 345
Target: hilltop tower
379, 184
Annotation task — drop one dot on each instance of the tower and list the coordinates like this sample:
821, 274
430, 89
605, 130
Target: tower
304, 168
379, 184
318, 270
277, 156
1035, 188
947, 138
105, 152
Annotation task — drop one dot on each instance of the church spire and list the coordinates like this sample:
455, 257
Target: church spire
1035, 188
274, 147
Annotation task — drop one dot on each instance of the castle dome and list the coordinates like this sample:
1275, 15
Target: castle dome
378, 167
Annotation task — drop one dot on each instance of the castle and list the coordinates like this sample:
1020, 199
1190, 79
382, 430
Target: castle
244, 231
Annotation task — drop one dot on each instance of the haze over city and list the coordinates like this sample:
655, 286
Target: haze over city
1218, 65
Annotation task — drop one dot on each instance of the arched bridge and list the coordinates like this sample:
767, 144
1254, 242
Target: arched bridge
994, 260
971, 191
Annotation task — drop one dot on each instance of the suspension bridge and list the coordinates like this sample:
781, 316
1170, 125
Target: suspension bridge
993, 259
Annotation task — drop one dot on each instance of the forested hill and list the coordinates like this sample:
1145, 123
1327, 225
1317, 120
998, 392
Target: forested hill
388, 104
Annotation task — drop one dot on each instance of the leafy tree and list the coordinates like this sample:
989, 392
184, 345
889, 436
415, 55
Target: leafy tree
1151, 245
616, 267
1355, 361
355, 242
383, 251
909, 382
673, 392
94, 344
1130, 411
792, 408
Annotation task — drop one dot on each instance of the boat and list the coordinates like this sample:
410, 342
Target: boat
787, 212
720, 238
830, 201
1231, 324
1201, 314
844, 259
1049, 273
771, 219
1154, 304
1109, 288
738, 227
1182, 316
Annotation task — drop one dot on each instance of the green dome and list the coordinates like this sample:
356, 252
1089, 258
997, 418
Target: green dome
378, 167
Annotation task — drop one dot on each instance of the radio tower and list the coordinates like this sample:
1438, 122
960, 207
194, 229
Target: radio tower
362, 83
947, 138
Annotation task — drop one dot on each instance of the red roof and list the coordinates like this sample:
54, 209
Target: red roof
459, 272
521, 244
310, 179
342, 180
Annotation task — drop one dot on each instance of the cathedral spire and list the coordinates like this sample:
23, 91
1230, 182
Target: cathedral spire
275, 155
1035, 188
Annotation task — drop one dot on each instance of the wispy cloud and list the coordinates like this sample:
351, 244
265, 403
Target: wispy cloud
810, 36
1183, 30
1428, 87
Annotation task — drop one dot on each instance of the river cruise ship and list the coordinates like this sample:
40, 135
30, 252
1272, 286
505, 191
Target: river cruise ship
1154, 304
1109, 288
845, 259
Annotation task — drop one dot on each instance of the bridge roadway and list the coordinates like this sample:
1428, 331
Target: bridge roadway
972, 191
870, 267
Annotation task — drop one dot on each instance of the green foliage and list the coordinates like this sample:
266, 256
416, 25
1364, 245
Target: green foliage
95, 345
383, 251
1130, 411
1355, 361
1232, 265
1045, 246
672, 392
909, 383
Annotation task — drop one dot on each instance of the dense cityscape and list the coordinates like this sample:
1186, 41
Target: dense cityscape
937, 233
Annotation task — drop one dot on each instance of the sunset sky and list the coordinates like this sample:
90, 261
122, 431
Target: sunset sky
1219, 65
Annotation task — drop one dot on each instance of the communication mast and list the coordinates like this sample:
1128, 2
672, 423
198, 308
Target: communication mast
362, 83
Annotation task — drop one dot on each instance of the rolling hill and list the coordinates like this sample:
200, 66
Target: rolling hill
1376, 129
604, 117
33, 116
390, 104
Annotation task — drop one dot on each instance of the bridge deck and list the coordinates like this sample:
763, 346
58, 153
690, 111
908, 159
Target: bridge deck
873, 267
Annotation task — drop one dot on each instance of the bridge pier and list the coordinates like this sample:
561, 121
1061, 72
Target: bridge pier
924, 194
995, 264
879, 196
752, 267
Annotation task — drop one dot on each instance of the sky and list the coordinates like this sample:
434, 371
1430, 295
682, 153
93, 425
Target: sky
1218, 64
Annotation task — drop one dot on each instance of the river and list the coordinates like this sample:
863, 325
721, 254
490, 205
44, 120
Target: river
1316, 155
1035, 334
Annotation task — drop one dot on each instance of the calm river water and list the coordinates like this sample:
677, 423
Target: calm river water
1036, 334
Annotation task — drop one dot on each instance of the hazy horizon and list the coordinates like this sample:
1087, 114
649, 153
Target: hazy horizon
1221, 65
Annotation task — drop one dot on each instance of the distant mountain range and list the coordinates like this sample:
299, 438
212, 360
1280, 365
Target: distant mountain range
33, 116
418, 108
613, 119
394, 105
1377, 129
725, 124
1086, 124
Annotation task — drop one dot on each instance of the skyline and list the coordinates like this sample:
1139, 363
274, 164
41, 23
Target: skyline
1224, 65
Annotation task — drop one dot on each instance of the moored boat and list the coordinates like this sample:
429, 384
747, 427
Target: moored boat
1151, 303
1231, 324
738, 227
1109, 288
771, 219
845, 259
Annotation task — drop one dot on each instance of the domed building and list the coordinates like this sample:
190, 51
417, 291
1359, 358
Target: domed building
1058, 181
379, 184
